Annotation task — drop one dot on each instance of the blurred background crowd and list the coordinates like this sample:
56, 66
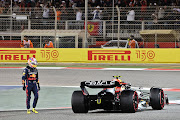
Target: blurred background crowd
91, 3
34, 7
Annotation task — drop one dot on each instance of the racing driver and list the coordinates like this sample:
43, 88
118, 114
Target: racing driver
115, 89
30, 76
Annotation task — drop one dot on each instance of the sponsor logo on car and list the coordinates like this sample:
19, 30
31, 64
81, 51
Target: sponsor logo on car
94, 83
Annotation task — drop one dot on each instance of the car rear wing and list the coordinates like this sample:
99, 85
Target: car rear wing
100, 84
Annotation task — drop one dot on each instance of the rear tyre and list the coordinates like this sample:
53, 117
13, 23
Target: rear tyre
79, 102
129, 101
156, 98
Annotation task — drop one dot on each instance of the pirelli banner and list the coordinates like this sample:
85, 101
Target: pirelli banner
85, 55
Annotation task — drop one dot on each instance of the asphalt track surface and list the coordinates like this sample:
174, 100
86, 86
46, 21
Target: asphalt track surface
74, 77
171, 112
69, 77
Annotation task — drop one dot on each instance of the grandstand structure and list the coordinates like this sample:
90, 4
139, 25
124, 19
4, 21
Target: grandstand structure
12, 26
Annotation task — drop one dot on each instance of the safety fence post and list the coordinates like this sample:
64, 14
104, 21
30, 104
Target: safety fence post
29, 23
104, 29
66, 25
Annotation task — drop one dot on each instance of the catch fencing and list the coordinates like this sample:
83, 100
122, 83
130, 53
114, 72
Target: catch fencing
101, 29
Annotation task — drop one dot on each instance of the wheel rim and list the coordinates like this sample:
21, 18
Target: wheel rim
135, 101
162, 98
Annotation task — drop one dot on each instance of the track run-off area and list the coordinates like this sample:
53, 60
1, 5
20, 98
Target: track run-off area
58, 84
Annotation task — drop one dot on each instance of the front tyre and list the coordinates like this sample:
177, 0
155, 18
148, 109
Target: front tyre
129, 101
79, 102
157, 98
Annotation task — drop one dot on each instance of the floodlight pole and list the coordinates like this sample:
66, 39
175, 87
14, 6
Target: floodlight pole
55, 27
113, 21
86, 14
11, 22
118, 24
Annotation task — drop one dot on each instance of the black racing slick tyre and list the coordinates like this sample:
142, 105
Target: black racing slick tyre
156, 98
129, 101
79, 102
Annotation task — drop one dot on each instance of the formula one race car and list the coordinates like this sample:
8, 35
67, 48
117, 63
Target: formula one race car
116, 95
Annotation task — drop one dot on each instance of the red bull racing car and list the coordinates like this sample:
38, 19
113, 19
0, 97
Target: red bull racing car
116, 95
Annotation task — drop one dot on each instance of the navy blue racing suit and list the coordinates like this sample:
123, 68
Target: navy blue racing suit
30, 76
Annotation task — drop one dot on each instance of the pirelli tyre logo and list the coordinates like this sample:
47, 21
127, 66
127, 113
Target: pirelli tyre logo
10, 55
109, 55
